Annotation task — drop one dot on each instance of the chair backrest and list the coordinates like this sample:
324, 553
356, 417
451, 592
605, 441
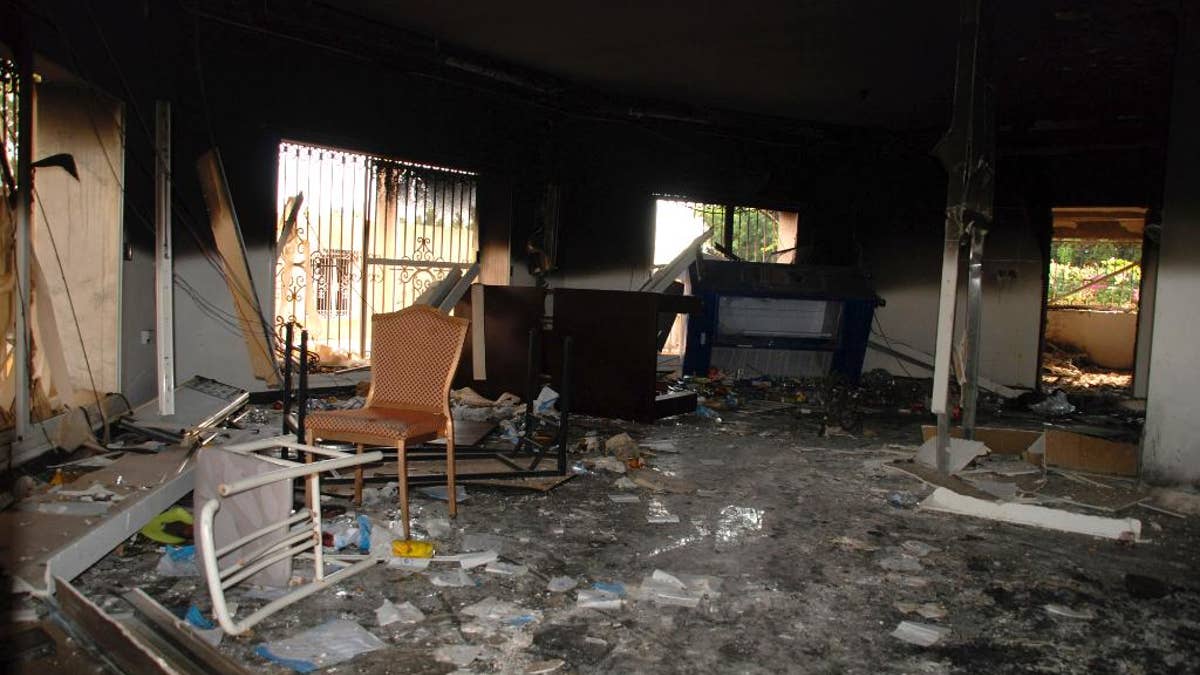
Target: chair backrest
414, 353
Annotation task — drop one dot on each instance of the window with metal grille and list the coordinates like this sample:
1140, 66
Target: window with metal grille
749, 233
333, 274
370, 235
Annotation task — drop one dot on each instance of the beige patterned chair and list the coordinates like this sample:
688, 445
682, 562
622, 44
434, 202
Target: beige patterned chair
414, 353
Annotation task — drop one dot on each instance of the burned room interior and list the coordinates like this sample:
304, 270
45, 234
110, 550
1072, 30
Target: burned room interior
531, 337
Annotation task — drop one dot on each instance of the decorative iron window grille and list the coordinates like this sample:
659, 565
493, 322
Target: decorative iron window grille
334, 273
750, 233
372, 234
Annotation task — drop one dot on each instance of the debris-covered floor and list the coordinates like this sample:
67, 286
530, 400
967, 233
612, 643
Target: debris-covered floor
784, 551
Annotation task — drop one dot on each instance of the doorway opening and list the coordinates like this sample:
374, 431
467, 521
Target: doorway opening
1093, 295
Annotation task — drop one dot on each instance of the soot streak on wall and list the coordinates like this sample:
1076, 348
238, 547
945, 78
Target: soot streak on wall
865, 197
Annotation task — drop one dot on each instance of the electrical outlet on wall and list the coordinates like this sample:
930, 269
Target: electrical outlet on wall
147, 337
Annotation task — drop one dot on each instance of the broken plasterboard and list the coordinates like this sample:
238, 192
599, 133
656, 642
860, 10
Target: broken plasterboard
961, 453
1125, 529
42, 546
1069, 450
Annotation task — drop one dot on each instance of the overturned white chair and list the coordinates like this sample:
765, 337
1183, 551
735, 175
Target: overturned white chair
257, 534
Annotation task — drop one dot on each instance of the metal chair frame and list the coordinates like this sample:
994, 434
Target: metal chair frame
303, 536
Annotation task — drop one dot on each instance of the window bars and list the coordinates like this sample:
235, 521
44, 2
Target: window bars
371, 235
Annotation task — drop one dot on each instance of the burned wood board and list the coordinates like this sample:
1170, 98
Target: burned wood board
1069, 450
1000, 440
227, 234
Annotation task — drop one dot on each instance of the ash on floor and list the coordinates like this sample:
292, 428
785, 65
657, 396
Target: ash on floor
776, 550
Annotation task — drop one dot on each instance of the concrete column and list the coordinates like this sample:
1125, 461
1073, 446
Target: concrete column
1171, 440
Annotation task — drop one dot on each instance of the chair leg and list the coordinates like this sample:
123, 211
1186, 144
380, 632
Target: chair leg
451, 493
402, 476
358, 477
308, 491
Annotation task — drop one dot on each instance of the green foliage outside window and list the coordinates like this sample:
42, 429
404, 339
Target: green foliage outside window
1074, 262
755, 231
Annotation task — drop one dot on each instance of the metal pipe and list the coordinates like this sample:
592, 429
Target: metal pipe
288, 336
230, 489
273, 555
164, 280
302, 399
945, 335
971, 357
238, 543
21, 351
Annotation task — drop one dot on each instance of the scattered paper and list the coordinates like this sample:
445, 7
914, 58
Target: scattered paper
917, 548
561, 584
458, 655
1067, 612
507, 569
680, 590
453, 578
330, 643
389, 613
601, 595
439, 493
624, 498
920, 634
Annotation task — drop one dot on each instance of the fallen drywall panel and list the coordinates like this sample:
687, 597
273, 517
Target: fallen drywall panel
228, 236
47, 545
999, 440
948, 501
961, 453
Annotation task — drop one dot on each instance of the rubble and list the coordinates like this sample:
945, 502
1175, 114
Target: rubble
528, 583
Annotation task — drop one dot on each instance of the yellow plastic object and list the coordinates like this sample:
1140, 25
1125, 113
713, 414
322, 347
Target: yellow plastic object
57, 479
155, 528
410, 548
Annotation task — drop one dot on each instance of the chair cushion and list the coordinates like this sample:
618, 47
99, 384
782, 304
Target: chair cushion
384, 423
